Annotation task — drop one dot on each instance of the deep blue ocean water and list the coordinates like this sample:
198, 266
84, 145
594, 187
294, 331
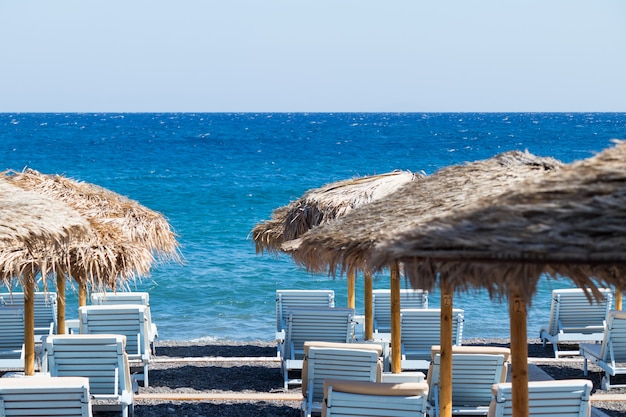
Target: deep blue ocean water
214, 176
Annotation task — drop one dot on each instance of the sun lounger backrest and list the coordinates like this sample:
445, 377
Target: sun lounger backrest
614, 342
300, 298
128, 320
101, 358
373, 399
478, 350
372, 347
420, 329
131, 297
563, 398
45, 308
571, 308
381, 304
347, 364
11, 327
11, 331
42, 396
472, 378
11, 338
324, 324
124, 298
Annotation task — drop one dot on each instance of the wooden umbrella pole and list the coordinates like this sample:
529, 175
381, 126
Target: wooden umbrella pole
351, 285
29, 324
519, 354
396, 351
82, 294
60, 303
445, 377
369, 305
618, 299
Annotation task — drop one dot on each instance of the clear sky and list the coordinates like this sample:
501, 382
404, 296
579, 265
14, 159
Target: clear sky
312, 55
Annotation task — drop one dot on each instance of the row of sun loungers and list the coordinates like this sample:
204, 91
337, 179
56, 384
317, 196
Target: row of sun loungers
419, 331
476, 377
573, 318
346, 380
113, 337
381, 304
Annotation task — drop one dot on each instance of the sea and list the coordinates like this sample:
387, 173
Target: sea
214, 176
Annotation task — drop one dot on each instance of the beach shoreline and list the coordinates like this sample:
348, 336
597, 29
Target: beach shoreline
229, 378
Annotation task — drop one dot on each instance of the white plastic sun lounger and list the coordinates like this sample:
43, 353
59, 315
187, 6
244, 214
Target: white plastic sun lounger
45, 397
286, 299
130, 297
420, 330
611, 354
473, 375
348, 361
11, 338
126, 319
101, 358
322, 324
45, 309
374, 399
574, 318
562, 398
381, 303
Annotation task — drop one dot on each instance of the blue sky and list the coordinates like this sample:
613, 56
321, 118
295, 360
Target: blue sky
323, 55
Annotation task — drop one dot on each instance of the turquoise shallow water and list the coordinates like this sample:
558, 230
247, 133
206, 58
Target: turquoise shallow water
214, 176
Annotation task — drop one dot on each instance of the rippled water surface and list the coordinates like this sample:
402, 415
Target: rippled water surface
214, 176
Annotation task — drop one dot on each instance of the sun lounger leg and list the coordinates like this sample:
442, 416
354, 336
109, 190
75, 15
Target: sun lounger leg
145, 375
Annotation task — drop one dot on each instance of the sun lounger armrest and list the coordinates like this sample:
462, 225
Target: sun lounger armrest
280, 336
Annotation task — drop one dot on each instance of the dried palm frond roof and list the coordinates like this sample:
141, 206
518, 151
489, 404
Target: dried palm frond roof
125, 236
571, 222
32, 219
34, 233
321, 205
107, 259
349, 241
139, 223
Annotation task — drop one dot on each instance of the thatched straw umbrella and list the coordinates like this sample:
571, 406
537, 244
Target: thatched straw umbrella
349, 242
34, 233
322, 205
569, 223
127, 239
